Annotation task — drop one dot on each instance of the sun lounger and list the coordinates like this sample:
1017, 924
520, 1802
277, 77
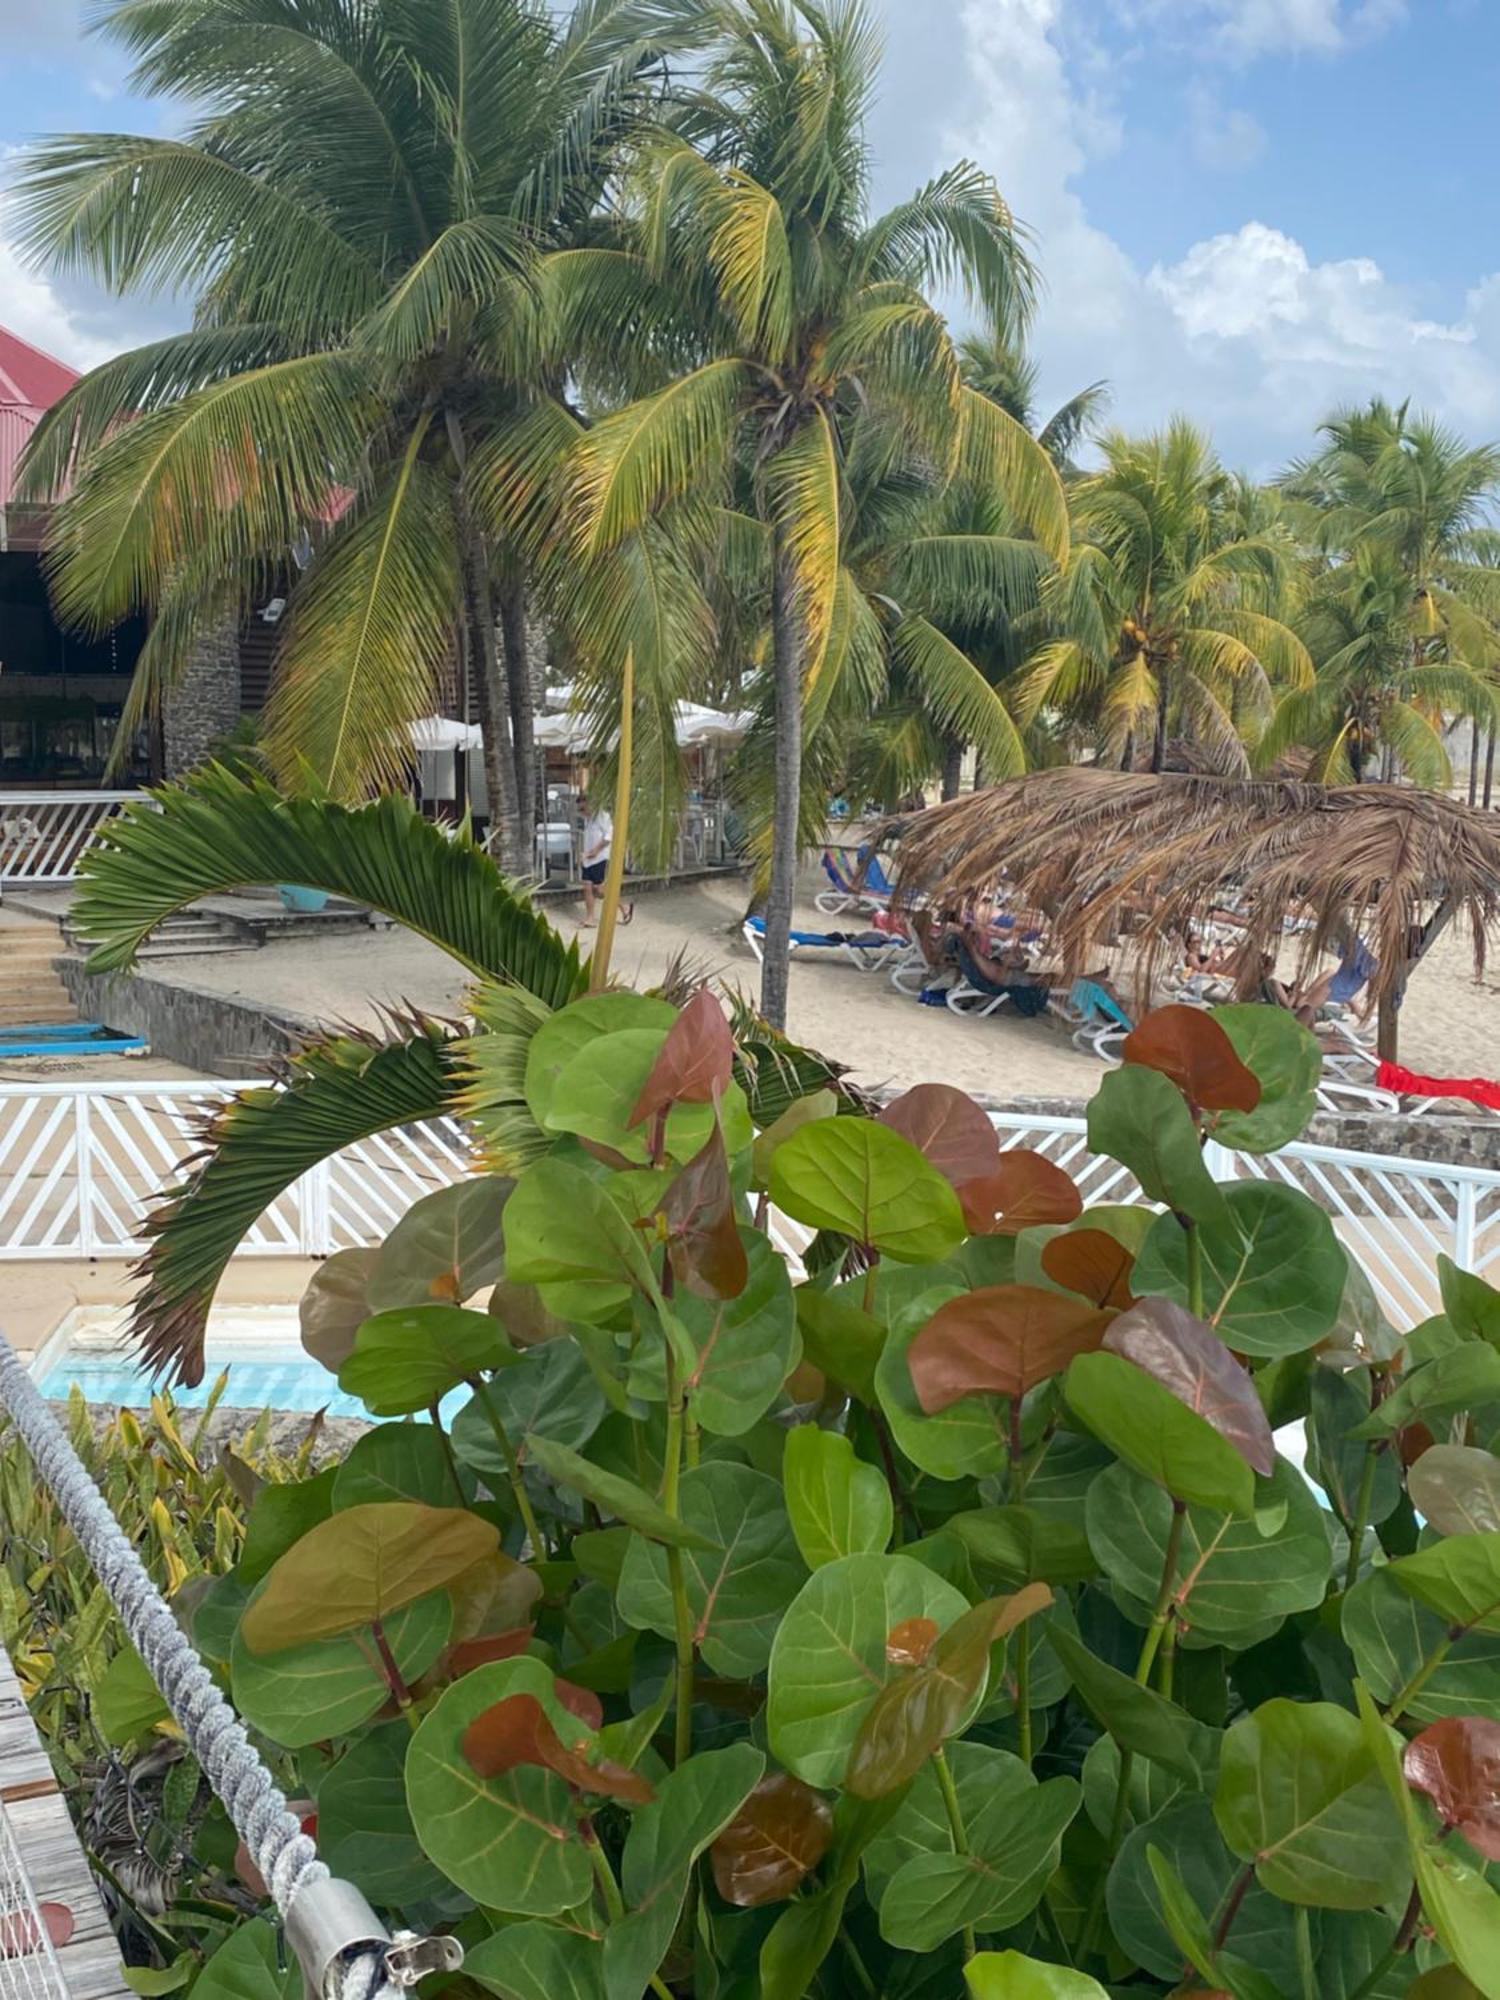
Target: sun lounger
1101, 1023
1421, 1094
871, 951
872, 892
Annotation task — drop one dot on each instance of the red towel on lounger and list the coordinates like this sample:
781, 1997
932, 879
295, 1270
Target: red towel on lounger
1407, 1083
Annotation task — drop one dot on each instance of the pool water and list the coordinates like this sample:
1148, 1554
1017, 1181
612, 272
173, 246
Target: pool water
259, 1345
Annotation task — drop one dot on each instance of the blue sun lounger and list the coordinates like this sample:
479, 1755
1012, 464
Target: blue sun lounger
869, 950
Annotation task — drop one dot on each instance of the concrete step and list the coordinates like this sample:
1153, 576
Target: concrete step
40, 1000
183, 935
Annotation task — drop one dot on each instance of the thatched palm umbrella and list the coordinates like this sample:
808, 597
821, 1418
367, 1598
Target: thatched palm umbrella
1112, 853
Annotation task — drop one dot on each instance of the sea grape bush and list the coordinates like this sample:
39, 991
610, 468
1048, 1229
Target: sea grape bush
932, 1611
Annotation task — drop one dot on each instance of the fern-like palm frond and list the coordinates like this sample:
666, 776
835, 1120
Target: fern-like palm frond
997, 452
958, 696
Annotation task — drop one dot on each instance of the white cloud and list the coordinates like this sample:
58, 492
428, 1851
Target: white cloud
1246, 29
1243, 331
32, 307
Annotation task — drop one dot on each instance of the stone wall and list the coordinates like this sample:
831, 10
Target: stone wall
204, 706
206, 1032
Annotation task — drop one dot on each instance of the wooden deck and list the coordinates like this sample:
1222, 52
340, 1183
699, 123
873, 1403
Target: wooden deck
38, 1819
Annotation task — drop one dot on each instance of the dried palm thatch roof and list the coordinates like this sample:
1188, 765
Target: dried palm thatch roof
1109, 854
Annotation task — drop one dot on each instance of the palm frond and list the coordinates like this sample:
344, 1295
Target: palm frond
958, 696
656, 451
368, 635
468, 264
491, 1094
958, 231
998, 452
259, 1145
1417, 744
804, 486
216, 831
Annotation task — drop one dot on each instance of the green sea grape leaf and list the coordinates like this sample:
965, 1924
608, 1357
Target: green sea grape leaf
1138, 1718
1264, 1931
538, 1961
914, 1714
552, 1393
1189, 1358
620, 1497
1465, 1378
839, 1337
1288, 1060
365, 1832
1138, 1117
1007, 1975
741, 1349
838, 1505
1181, 1915
1465, 1912
1299, 1794
599, 1087
992, 1887
328, 1687
1021, 1544
1470, 1303
803, 1935
989, 1783
563, 1034
446, 1247
828, 1660
1147, 1426
565, 1236
127, 1703
1338, 1405
281, 1514
1273, 1270
693, 1806
801, 1111
511, 1842
741, 1572
400, 1462
1392, 1635
1235, 1572
1151, 1788
1459, 1578
1456, 1489
409, 1358
866, 1182
251, 1965
357, 1568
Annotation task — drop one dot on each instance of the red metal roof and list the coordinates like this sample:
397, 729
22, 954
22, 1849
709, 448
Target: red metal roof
30, 383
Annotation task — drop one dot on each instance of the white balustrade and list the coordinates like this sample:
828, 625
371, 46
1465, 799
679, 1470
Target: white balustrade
82, 1163
44, 835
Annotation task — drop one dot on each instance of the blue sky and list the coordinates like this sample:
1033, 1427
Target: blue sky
1249, 210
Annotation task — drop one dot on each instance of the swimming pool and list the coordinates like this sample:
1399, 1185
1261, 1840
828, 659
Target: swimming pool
259, 1345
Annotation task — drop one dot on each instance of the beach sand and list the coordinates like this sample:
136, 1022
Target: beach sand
1450, 1025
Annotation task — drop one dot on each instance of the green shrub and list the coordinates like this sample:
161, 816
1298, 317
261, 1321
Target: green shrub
946, 1617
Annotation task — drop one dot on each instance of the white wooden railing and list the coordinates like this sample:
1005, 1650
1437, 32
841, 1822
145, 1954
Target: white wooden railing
80, 1164
44, 835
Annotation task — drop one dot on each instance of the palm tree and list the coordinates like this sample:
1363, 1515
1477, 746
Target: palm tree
1170, 611
998, 367
1399, 508
753, 209
364, 204
1381, 692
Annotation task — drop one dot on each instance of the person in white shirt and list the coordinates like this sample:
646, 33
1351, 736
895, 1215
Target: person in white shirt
598, 841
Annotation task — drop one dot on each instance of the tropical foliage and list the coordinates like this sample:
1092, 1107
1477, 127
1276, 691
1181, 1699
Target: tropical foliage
948, 1620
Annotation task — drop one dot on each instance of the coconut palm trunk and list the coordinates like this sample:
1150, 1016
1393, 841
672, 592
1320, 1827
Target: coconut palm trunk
494, 717
953, 766
522, 697
1489, 769
786, 642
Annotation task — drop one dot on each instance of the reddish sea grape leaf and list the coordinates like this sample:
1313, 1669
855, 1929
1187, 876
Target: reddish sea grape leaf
1092, 1263
916, 1714
1190, 1049
518, 1731
948, 1127
472, 1653
1165, 1341
909, 1643
1000, 1341
582, 1702
1025, 1190
1456, 1762
696, 1060
704, 1244
778, 1836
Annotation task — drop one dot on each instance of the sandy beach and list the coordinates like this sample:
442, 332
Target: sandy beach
1450, 1024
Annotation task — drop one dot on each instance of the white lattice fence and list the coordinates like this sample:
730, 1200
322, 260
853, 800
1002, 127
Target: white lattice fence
44, 835
81, 1163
